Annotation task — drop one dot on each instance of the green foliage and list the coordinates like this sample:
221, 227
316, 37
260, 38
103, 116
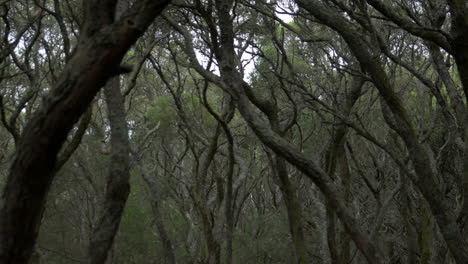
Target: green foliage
164, 113
137, 239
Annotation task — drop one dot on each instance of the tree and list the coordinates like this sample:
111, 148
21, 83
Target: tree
328, 131
102, 44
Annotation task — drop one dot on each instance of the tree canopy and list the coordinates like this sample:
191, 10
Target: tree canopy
234, 131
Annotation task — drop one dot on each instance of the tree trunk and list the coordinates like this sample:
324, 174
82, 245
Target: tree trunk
158, 221
440, 206
336, 157
102, 45
294, 211
118, 186
407, 212
460, 44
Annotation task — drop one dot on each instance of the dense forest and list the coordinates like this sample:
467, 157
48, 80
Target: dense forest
233, 131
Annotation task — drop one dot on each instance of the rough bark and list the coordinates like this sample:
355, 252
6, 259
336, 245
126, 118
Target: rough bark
293, 205
288, 189
336, 156
407, 212
233, 83
395, 15
75, 141
223, 121
294, 211
229, 200
459, 32
158, 221
291, 199
426, 183
454, 42
97, 57
117, 187
312, 171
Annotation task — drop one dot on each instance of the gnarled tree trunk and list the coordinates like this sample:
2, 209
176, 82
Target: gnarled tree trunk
102, 45
118, 186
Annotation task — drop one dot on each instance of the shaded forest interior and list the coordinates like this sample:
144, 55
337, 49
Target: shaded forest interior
233, 131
